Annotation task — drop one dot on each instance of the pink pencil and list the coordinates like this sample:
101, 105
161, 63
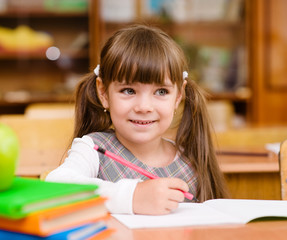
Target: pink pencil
134, 167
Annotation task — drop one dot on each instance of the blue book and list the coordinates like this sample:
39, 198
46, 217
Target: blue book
79, 233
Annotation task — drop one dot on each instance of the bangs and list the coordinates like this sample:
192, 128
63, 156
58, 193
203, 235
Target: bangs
143, 68
145, 57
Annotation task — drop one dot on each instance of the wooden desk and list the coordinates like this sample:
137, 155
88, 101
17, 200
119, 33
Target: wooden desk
257, 230
251, 173
244, 160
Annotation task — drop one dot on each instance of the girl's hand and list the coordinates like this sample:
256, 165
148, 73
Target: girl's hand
158, 196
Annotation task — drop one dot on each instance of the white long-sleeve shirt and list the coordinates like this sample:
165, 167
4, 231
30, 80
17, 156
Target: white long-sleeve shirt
82, 166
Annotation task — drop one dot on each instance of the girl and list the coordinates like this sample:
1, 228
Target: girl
126, 106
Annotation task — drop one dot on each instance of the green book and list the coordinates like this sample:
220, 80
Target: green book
27, 195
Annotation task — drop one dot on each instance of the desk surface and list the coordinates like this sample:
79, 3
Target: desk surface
257, 230
244, 160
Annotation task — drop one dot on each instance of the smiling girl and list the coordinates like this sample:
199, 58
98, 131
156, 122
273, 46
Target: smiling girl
126, 106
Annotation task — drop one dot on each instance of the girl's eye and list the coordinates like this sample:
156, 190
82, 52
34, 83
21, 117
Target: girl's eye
128, 91
161, 92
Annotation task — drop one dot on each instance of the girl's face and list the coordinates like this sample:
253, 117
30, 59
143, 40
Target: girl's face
140, 112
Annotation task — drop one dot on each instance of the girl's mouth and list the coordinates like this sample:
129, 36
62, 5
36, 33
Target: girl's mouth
142, 122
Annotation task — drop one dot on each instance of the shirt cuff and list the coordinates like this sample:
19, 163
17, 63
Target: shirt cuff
119, 195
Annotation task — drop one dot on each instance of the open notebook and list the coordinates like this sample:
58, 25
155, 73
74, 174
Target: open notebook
211, 212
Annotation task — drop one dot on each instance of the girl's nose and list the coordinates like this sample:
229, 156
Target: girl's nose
143, 104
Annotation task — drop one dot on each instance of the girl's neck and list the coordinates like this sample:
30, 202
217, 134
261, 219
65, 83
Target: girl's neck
155, 154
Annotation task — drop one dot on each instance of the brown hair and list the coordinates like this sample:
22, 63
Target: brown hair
148, 55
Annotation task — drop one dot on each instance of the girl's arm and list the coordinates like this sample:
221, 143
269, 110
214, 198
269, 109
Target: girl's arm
82, 165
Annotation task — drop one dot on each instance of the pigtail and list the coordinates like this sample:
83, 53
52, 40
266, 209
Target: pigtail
89, 112
195, 140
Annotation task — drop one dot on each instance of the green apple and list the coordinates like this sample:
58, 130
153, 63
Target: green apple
9, 152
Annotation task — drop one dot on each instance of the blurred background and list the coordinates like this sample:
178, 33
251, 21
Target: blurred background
236, 51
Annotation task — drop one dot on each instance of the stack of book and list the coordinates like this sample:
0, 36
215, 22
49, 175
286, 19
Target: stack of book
34, 209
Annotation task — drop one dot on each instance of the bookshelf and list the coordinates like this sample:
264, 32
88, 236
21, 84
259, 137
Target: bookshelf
29, 72
27, 77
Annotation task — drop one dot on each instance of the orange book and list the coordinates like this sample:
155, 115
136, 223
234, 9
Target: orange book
50, 221
90, 231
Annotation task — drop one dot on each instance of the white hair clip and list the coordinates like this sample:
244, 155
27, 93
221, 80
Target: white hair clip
97, 70
184, 74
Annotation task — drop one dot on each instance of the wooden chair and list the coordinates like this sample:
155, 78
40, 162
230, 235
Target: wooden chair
50, 110
43, 142
250, 136
283, 169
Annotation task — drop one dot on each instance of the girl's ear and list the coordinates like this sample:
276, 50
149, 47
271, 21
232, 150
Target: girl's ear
180, 94
102, 93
